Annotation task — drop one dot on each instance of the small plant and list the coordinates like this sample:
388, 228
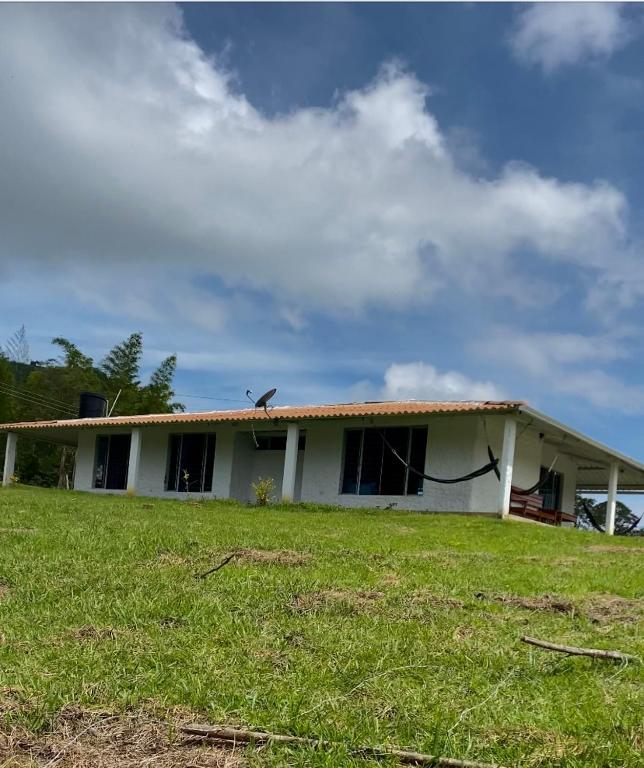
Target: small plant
186, 479
263, 488
14, 479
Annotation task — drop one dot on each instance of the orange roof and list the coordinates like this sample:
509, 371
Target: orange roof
285, 413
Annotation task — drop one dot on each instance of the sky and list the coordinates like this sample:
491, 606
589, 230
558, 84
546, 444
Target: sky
342, 201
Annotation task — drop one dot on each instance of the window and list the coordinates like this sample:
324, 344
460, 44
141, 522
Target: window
551, 490
277, 442
112, 459
191, 459
370, 467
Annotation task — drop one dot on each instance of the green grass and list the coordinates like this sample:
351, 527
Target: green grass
256, 644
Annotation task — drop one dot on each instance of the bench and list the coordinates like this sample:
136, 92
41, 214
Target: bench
531, 507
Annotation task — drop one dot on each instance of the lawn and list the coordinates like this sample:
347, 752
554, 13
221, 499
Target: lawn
365, 627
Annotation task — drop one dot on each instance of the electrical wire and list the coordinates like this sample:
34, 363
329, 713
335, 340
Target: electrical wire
36, 400
37, 395
208, 397
42, 403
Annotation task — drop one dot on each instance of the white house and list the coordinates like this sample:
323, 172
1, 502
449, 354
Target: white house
369, 454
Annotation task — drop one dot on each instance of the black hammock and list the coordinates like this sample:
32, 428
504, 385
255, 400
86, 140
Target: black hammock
541, 482
491, 466
596, 525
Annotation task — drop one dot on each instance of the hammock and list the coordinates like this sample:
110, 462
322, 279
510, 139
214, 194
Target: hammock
491, 466
593, 521
538, 485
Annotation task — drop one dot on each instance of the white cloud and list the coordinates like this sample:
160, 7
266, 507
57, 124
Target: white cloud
568, 363
604, 390
542, 353
421, 381
555, 34
123, 142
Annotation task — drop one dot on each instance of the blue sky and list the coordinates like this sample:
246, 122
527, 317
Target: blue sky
343, 201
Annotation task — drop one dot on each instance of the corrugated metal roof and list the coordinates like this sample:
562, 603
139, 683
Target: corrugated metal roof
286, 413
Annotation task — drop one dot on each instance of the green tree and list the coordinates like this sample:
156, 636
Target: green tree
73, 357
157, 396
7, 384
625, 518
51, 391
121, 372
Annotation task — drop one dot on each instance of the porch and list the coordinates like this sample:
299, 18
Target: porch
571, 463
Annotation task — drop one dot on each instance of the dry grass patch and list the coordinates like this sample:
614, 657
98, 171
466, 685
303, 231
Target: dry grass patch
92, 634
533, 603
81, 739
12, 699
328, 598
390, 580
278, 556
616, 548
604, 609
170, 558
601, 609
547, 748
561, 561
460, 634
452, 555
404, 529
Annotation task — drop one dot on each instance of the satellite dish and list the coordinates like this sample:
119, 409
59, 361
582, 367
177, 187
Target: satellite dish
263, 400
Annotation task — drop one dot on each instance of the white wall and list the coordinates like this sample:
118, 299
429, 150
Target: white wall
450, 450
527, 461
84, 468
237, 463
455, 445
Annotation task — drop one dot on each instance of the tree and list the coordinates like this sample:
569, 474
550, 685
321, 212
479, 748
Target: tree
625, 518
51, 391
7, 382
73, 357
17, 347
122, 379
120, 369
156, 397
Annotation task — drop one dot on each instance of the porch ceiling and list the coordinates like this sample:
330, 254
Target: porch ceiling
593, 459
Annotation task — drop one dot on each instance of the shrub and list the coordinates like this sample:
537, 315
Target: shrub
263, 488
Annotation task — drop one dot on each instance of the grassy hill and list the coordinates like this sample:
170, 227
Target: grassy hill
358, 626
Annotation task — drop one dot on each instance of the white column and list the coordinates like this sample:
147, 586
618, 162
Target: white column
290, 462
224, 457
9, 458
135, 460
507, 464
611, 502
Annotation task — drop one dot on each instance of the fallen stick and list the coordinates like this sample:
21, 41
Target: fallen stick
595, 653
243, 736
225, 561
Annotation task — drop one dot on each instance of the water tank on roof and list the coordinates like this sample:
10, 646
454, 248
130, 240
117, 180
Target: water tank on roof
92, 406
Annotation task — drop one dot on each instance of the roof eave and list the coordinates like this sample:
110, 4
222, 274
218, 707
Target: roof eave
622, 457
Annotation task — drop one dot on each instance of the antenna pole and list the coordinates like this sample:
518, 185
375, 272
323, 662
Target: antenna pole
114, 403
